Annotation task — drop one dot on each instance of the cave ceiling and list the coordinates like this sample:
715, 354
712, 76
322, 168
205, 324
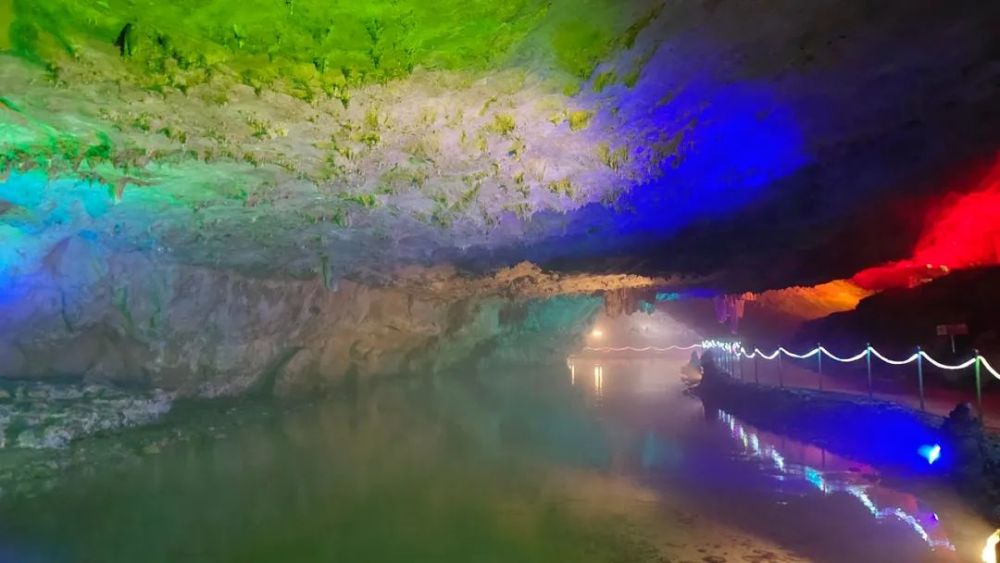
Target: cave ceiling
731, 143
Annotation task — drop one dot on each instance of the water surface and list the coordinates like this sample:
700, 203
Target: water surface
601, 461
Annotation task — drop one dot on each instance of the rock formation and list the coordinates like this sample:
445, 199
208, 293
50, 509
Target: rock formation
215, 199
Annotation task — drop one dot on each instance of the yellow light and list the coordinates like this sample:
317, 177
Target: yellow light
597, 333
990, 551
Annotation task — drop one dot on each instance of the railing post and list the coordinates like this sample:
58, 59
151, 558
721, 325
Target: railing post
781, 379
819, 364
979, 386
755, 378
868, 362
920, 377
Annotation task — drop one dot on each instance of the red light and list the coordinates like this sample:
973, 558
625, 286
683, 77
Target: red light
960, 234
967, 231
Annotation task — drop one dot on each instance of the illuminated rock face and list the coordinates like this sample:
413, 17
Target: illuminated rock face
122, 318
321, 144
283, 137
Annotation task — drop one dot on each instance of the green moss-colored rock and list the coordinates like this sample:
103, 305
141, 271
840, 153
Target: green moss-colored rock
604, 80
503, 124
310, 45
579, 119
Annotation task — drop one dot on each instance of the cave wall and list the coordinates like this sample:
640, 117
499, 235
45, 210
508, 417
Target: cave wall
897, 320
95, 314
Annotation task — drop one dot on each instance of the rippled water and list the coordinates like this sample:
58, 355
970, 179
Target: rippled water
597, 462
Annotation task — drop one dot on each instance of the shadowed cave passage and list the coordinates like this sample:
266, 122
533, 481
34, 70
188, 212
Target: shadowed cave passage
434, 280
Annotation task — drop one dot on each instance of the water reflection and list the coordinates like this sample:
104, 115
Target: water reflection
519, 465
832, 474
766, 483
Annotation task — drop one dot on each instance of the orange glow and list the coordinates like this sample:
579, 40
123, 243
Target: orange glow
814, 302
904, 273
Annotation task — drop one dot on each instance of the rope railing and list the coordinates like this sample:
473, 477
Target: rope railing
646, 349
798, 356
735, 350
739, 349
843, 360
959, 366
878, 355
978, 362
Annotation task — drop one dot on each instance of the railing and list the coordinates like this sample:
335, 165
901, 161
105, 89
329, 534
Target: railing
644, 349
733, 352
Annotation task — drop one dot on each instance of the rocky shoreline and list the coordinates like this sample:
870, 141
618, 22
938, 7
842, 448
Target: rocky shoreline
36, 415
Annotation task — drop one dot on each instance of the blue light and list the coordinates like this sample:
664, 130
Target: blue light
929, 452
697, 293
699, 149
815, 478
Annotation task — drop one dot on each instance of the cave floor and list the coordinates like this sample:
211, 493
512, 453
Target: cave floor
587, 462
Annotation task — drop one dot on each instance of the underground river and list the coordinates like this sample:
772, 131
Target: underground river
595, 461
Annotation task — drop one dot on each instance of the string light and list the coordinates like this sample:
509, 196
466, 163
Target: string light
735, 347
843, 360
646, 349
944, 366
799, 356
876, 353
988, 367
990, 551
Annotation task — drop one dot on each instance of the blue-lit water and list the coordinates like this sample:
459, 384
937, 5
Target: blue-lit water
596, 461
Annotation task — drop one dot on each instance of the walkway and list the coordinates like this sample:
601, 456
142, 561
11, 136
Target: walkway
893, 383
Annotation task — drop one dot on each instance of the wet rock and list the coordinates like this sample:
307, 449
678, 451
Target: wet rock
962, 432
43, 416
47, 438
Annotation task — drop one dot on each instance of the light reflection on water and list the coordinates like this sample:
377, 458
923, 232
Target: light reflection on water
608, 462
678, 455
796, 460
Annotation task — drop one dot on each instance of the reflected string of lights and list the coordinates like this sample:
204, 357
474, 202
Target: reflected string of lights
759, 447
